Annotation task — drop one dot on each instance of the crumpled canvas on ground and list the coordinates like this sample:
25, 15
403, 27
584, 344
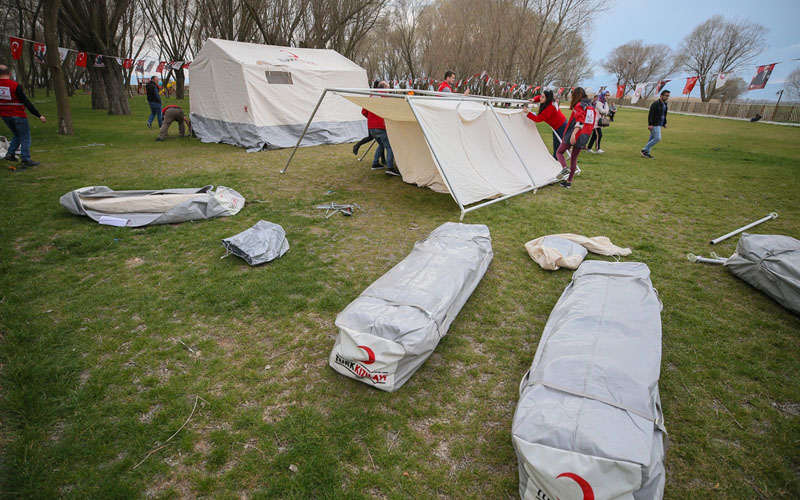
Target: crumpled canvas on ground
568, 250
261, 243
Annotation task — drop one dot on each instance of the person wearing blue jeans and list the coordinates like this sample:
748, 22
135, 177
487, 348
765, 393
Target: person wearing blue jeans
383, 141
154, 100
656, 119
13, 103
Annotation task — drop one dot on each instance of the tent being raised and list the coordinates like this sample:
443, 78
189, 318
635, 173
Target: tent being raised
259, 96
462, 145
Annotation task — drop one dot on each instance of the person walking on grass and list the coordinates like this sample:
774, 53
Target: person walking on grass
549, 113
579, 129
13, 102
601, 106
656, 120
377, 129
154, 101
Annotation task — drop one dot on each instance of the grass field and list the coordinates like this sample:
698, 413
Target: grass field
112, 338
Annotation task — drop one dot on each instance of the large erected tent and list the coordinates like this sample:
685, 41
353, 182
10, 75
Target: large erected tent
260, 96
467, 146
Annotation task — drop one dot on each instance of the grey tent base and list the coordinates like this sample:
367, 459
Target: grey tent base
589, 412
200, 203
255, 138
771, 263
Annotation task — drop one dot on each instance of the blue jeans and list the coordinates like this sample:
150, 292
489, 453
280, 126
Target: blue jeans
383, 140
655, 137
155, 111
22, 136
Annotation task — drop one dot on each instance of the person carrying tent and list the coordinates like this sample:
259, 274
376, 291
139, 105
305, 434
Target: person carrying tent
377, 129
551, 114
579, 129
173, 113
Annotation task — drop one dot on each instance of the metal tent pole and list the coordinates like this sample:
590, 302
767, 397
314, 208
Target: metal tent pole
371, 143
283, 171
513, 146
773, 215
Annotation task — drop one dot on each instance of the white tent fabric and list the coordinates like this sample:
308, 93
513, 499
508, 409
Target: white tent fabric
471, 149
259, 96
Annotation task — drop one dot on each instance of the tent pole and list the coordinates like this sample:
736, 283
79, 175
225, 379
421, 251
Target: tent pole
490, 202
435, 157
304, 131
371, 143
513, 146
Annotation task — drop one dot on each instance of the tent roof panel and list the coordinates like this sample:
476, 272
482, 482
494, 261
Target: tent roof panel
273, 55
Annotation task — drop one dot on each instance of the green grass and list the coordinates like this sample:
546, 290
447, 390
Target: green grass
94, 376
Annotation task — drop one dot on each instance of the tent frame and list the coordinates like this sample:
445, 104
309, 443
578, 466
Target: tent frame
410, 95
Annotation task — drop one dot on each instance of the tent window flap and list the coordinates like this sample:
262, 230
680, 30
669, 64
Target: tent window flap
279, 77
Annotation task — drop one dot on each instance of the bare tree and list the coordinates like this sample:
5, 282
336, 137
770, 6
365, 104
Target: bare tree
792, 84
732, 89
173, 23
135, 31
51, 8
720, 46
636, 62
92, 25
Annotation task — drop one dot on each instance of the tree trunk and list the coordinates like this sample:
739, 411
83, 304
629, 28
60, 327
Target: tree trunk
51, 8
99, 97
115, 88
180, 78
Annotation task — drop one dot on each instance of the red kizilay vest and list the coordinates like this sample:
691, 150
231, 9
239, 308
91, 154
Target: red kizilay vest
9, 104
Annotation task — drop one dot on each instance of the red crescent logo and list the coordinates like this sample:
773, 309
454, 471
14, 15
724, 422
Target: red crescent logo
293, 55
586, 488
14, 45
371, 359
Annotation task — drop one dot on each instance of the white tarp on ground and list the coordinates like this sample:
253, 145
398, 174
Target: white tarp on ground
476, 156
389, 331
259, 96
771, 263
588, 423
142, 208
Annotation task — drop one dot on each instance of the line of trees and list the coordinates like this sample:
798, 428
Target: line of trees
714, 46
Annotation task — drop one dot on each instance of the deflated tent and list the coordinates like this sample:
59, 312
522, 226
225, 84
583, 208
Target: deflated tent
258, 96
461, 145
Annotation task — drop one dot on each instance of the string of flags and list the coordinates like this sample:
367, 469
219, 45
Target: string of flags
144, 65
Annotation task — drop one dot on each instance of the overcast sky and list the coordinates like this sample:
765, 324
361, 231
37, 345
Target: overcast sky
670, 21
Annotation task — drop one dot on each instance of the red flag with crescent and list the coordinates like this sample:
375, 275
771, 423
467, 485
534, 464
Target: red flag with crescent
186, 65
620, 91
127, 63
16, 47
160, 67
80, 61
690, 82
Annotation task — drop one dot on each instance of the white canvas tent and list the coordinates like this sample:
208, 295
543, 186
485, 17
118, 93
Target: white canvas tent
462, 145
259, 96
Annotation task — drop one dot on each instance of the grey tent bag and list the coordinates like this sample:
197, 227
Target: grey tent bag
261, 243
588, 423
771, 263
389, 331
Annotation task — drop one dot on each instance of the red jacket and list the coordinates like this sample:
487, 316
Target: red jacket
583, 113
13, 100
373, 120
551, 115
170, 106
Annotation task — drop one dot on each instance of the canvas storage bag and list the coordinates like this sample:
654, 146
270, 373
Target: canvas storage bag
588, 424
389, 331
261, 243
553, 252
771, 263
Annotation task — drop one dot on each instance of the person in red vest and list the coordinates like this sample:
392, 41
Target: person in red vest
551, 114
448, 82
173, 113
377, 129
579, 130
13, 102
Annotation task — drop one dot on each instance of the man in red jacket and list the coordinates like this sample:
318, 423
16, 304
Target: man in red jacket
13, 102
377, 129
173, 113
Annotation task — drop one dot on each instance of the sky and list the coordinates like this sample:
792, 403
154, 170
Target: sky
669, 22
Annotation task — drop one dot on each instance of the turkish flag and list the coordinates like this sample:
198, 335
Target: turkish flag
16, 47
690, 82
186, 65
620, 91
661, 84
762, 75
80, 61
127, 63
160, 67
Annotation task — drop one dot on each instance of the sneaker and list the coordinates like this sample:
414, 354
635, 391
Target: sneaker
11, 157
564, 172
377, 166
159, 139
599, 151
648, 155
565, 184
592, 151
392, 171
149, 125
355, 149
29, 163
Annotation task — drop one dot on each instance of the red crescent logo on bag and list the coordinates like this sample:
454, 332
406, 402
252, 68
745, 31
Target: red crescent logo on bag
370, 354
586, 488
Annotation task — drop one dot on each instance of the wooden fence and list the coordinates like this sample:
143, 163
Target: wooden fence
784, 113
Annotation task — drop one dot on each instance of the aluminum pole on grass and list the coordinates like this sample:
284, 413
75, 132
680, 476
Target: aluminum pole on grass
773, 215
283, 171
705, 260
